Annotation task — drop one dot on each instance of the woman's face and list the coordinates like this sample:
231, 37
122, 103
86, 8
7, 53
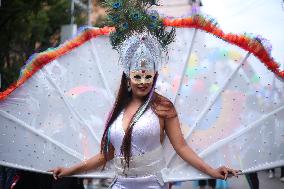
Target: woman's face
141, 82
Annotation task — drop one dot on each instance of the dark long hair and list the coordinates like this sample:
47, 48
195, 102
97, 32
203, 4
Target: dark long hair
122, 99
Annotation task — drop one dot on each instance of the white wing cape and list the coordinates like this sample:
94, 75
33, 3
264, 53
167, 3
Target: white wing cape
231, 107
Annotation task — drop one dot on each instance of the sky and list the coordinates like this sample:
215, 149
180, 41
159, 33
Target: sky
262, 17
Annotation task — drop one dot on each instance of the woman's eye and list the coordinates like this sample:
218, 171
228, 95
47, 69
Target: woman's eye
148, 77
137, 77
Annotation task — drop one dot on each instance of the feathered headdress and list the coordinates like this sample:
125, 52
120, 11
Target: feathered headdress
139, 33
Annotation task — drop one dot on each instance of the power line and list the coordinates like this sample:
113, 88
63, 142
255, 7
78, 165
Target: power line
176, 5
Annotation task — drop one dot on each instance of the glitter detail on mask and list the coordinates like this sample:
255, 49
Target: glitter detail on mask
142, 76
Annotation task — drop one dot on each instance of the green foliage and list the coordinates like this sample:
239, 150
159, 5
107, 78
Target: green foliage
26, 27
130, 16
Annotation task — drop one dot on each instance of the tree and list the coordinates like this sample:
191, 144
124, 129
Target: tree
27, 27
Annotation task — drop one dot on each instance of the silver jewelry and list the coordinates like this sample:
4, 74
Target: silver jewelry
128, 86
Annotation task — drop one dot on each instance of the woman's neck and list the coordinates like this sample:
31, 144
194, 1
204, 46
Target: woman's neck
137, 100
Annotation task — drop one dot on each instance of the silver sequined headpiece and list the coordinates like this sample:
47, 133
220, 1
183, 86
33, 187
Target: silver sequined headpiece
140, 51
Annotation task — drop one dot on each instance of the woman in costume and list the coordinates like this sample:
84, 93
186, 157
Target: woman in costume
133, 155
138, 122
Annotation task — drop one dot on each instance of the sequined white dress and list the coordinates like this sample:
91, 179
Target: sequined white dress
146, 152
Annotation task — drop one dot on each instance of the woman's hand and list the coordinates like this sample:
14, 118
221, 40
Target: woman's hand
82, 167
223, 173
59, 172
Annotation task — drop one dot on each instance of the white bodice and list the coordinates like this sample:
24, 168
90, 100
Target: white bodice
145, 133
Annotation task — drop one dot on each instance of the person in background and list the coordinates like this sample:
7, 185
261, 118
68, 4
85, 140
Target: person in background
272, 173
210, 182
6, 177
252, 179
282, 174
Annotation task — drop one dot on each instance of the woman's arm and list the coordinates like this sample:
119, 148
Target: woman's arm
84, 166
173, 130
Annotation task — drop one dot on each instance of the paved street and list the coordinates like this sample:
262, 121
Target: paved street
241, 182
233, 183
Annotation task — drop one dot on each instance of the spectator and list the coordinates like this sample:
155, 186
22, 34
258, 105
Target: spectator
210, 182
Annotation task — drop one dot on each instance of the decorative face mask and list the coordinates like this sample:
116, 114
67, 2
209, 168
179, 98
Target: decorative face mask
142, 76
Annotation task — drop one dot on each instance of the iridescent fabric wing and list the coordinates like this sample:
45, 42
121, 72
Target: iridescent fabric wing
229, 104
56, 117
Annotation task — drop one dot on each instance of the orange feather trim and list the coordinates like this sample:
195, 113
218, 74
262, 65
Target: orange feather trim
199, 22
250, 44
46, 57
